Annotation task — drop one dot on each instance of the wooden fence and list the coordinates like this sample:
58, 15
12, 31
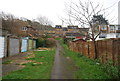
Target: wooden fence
108, 49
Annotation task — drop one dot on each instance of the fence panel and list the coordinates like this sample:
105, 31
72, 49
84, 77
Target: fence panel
91, 50
116, 46
99, 50
109, 49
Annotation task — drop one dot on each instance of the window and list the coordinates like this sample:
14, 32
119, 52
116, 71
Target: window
112, 28
102, 36
104, 27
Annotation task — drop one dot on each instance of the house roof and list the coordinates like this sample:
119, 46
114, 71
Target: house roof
84, 29
58, 26
72, 27
73, 34
65, 29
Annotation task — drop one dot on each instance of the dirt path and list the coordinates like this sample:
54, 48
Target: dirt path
63, 67
16, 59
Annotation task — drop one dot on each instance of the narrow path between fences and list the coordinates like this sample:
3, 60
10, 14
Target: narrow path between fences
63, 67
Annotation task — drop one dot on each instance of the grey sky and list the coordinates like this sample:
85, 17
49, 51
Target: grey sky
50, 8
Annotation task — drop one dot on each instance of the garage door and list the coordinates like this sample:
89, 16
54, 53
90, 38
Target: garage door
14, 46
1, 47
34, 43
30, 44
24, 45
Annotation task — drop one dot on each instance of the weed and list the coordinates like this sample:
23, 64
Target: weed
7, 62
88, 69
30, 58
110, 69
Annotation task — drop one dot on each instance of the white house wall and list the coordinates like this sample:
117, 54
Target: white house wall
111, 35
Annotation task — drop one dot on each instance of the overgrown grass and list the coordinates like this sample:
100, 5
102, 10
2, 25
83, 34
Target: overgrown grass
7, 62
87, 68
39, 70
58, 38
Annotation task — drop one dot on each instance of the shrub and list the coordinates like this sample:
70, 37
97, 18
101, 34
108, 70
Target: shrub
45, 42
110, 69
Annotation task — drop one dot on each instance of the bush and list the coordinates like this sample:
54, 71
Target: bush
45, 42
50, 42
67, 39
40, 42
110, 69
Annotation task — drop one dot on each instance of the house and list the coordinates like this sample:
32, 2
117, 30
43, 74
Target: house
73, 35
58, 31
73, 29
30, 31
109, 31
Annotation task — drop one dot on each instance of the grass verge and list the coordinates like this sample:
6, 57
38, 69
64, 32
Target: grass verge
87, 68
7, 62
39, 69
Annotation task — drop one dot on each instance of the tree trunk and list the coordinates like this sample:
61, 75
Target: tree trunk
95, 49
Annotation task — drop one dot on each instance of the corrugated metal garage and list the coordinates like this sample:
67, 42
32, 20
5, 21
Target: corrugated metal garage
24, 45
14, 45
2, 39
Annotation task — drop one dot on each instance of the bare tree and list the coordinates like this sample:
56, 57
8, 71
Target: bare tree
44, 20
12, 24
88, 14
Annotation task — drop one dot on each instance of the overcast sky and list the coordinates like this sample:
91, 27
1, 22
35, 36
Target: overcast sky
53, 9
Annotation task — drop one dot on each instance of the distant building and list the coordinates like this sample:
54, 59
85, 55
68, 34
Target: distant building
109, 31
70, 31
73, 35
58, 31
